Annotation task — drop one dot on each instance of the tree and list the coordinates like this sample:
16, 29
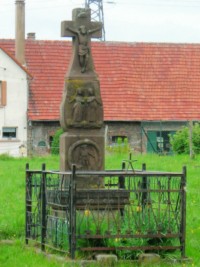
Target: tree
180, 140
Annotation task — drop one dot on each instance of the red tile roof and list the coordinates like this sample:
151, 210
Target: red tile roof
139, 81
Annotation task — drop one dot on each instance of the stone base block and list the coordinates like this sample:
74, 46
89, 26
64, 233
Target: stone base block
106, 260
148, 258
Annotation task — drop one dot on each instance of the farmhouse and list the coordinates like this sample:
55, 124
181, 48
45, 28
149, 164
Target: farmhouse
149, 90
14, 83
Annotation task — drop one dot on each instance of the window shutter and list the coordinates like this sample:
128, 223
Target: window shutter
3, 93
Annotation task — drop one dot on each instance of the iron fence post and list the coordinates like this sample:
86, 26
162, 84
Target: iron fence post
121, 184
121, 177
28, 204
73, 213
70, 213
43, 208
144, 187
183, 211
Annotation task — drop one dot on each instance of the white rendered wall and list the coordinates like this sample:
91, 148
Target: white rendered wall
14, 114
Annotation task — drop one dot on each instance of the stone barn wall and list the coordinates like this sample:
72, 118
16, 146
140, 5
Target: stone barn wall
40, 136
141, 136
129, 130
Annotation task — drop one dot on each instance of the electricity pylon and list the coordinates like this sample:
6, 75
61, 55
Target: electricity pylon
96, 7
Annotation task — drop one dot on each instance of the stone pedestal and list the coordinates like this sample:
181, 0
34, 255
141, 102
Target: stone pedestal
85, 149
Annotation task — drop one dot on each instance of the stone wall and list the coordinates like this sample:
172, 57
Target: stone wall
131, 130
40, 134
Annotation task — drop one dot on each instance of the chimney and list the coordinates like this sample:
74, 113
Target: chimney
20, 31
31, 36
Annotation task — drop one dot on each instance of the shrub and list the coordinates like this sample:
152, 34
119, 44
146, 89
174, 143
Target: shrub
55, 147
196, 138
180, 140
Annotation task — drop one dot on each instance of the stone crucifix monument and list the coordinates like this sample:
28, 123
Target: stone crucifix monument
81, 111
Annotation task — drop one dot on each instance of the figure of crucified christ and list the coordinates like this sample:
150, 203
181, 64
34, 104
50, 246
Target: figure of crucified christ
83, 44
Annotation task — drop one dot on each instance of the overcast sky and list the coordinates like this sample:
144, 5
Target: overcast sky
176, 21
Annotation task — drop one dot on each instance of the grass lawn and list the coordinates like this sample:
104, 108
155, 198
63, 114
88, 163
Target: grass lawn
12, 204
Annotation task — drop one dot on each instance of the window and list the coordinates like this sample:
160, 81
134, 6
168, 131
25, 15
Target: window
3, 92
9, 132
119, 139
41, 144
163, 141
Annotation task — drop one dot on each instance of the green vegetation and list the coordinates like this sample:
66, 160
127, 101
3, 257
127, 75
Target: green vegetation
12, 201
121, 146
18, 255
55, 146
180, 140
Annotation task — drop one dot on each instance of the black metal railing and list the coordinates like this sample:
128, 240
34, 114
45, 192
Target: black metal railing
123, 210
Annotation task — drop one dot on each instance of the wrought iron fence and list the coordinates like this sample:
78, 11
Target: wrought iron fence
125, 210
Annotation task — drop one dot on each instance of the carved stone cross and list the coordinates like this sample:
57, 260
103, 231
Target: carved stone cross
81, 111
82, 29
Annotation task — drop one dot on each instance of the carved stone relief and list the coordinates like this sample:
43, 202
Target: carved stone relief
82, 107
85, 154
